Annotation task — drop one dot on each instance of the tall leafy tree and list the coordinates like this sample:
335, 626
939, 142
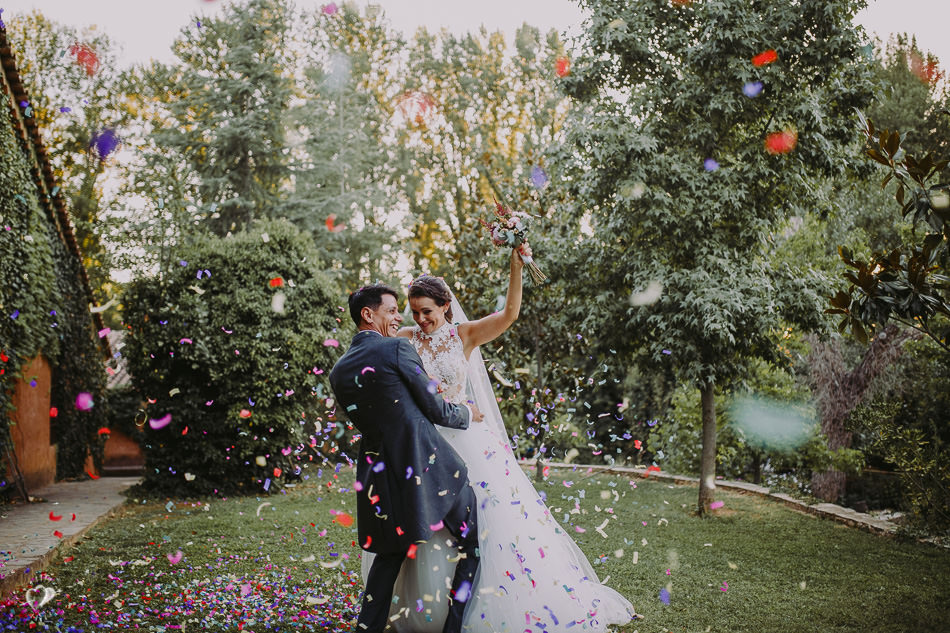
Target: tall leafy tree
699, 127
215, 144
340, 163
77, 97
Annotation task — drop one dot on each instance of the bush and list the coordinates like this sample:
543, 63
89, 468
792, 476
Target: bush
906, 427
231, 349
782, 452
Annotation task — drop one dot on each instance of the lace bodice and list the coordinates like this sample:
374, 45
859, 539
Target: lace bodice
444, 359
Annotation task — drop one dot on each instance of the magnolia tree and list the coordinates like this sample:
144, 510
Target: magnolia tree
698, 129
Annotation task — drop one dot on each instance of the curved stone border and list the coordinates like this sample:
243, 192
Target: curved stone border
824, 510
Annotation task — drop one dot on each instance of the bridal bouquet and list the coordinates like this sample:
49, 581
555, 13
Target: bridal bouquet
509, 229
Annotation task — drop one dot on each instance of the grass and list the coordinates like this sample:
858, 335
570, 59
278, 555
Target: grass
289, 562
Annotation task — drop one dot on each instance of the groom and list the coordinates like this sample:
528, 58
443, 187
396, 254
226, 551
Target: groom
409, 480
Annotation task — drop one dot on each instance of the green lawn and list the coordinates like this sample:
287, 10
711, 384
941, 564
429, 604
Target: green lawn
282, 563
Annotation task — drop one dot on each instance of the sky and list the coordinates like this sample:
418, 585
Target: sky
145, 30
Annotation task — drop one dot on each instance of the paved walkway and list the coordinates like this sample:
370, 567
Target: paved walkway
28, 531
28, 539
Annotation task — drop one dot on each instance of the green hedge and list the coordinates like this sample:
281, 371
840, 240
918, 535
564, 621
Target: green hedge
44, 309
207, 347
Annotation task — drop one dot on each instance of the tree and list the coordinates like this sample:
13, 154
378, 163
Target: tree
341, 167
76, 95
698, 129
214, 147
910, 284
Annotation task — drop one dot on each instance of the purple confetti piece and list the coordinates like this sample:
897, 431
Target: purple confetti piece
710, 164
105, 142
538, 178
465, 592
378, 467
752, 89
664, 596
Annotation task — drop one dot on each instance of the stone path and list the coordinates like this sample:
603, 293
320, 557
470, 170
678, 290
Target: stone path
28, 539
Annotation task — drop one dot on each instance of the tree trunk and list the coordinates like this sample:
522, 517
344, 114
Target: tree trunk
839, 391
707, 477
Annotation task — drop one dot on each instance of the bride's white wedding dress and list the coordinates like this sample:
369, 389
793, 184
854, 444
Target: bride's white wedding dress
532, 574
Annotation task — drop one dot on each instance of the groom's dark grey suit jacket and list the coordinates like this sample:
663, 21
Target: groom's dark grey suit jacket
409, 474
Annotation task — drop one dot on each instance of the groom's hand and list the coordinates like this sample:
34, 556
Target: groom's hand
477, 416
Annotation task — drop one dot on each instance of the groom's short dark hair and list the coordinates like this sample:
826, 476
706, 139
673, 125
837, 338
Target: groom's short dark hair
368, 297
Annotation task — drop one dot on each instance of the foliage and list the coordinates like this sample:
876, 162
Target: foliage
923, 464
45, 309
72, 106
341, 158
788, 448
909, 284
212, 133
659, 92
231, 347
904, 427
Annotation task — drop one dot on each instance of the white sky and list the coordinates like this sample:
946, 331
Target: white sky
146, 29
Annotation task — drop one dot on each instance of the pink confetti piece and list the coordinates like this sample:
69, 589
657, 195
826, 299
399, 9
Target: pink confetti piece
160, 423
715, 505
331, 342
104, 332
175, 558
84, 401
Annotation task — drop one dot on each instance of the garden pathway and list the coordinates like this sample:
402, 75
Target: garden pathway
31, 533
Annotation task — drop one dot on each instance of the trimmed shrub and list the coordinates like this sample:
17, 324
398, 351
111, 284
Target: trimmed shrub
231, 350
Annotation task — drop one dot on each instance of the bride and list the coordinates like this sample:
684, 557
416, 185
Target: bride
532, 574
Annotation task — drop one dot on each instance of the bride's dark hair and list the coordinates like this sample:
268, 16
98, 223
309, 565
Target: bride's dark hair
435, 289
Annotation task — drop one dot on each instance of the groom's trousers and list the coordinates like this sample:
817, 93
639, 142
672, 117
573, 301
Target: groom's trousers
462, 523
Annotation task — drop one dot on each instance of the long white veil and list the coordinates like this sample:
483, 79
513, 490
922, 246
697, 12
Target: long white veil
479, 385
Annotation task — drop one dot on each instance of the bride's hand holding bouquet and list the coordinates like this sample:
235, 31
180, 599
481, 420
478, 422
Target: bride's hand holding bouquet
510, 229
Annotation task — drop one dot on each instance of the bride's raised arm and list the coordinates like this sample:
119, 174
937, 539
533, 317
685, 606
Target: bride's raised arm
474, 333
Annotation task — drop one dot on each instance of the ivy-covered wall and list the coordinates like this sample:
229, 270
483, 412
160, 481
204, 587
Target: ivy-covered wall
43, 309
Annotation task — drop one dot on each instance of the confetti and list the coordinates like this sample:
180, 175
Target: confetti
650, 295
562, 66
39, 595
86, 57
752, 89
343, 519
710, 164
664, 596
331, 342
781, 142
538, 178
84, 401
104, 143
331, 226
765, 57
329, 9
276, 282
175, 558
160, 423
715, 505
